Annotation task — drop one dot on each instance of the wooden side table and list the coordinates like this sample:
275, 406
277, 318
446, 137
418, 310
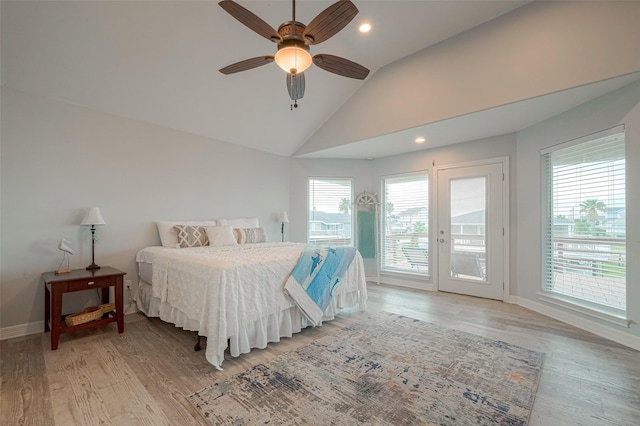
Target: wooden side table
80, 280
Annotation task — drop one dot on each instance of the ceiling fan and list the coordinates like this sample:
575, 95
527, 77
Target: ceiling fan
293, 39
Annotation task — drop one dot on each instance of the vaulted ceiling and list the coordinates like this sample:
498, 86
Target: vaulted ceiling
158, 62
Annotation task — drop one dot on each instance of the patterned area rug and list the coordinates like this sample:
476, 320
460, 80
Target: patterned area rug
384, 369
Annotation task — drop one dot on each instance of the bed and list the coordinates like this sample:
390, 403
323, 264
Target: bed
233, 293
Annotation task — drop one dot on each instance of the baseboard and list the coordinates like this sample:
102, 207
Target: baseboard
38, 326
21, 330
582, 323
131, 308
512, 300
601, 330
399, 282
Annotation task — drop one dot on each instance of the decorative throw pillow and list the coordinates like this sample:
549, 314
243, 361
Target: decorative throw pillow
168, 234
250, 235
220, 236
191, 236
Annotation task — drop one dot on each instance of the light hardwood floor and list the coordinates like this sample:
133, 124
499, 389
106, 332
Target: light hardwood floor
143, 375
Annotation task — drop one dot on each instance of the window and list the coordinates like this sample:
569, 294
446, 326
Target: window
584, 234
330, 211
405, 224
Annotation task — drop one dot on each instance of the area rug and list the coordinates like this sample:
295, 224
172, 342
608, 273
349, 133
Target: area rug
382, 370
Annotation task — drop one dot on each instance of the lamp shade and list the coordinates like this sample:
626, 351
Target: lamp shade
283, 217
293, 59
93, 217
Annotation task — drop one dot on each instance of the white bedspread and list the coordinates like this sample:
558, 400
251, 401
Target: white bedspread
221, 289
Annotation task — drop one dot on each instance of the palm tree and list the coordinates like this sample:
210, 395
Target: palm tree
389, 208
591, 208
345, 206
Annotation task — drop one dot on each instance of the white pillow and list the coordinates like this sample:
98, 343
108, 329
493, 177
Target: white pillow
220, 236
169, 236
250, 222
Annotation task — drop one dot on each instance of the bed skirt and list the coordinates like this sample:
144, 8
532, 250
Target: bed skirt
258, 334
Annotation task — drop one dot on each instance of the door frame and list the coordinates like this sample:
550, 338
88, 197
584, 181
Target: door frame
504, 161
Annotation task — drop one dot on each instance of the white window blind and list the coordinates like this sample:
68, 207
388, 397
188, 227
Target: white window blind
405, 224
584, 234
330, 211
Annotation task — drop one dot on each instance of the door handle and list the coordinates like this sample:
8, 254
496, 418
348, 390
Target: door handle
441, 240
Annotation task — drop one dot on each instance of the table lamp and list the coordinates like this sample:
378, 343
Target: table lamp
284, 219
93, 218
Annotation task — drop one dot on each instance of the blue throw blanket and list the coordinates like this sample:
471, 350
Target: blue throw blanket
317, 273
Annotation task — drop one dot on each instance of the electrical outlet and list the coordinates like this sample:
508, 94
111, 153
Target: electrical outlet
127, 292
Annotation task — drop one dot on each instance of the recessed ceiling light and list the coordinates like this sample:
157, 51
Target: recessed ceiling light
365, 28
419, 139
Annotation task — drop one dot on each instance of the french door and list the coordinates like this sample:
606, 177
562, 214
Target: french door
470, 232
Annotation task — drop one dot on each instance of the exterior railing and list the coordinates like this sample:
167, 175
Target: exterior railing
410, 250
329, 240
590, 256
475, 243
406, 252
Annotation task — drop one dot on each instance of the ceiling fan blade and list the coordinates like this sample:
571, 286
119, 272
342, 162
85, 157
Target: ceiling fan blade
295, 85
250, 20
247, 64
341, 66
330, 21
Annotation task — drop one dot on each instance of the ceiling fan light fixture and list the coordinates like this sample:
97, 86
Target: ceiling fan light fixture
293, 39
293, 58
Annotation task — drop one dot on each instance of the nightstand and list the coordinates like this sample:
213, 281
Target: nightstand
80, 280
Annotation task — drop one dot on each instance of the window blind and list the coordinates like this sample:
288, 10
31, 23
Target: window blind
405, 224
330, 211
584, 223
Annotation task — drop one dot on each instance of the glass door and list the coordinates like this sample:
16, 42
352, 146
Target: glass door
471, 231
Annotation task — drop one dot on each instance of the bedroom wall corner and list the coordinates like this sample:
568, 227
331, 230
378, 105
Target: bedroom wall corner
59, 159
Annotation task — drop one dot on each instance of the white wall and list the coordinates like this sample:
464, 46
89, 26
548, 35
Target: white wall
540, 48
59, 159
619, 107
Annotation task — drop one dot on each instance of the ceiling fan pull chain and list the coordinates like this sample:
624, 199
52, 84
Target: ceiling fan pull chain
295, 101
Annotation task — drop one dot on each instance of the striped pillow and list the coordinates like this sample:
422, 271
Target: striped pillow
250, 235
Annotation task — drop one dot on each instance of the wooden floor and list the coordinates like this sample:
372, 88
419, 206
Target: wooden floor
143, 375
